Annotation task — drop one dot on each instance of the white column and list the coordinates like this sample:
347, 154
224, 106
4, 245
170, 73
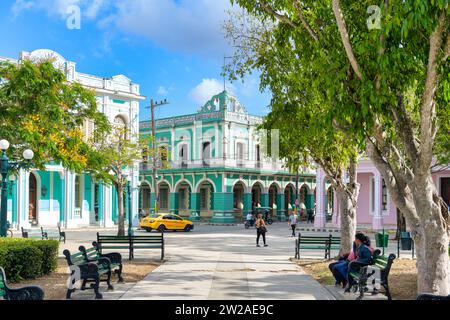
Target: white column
377, 223
216, 132
320, 218
107, 207
173, 143
22, 196
194, 142
69, 199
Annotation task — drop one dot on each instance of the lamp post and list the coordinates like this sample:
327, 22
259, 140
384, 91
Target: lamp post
130, 214
5, 168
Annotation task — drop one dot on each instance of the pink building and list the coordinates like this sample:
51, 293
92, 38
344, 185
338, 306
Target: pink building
375, 207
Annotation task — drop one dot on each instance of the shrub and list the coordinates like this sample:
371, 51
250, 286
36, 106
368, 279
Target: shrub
27, 258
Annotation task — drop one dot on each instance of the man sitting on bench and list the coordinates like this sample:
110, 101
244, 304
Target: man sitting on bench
363, 258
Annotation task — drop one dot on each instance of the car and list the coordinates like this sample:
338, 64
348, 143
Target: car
166, 221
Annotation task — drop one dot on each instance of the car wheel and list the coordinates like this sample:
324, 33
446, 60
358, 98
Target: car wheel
148, 229
162, 228
187, 228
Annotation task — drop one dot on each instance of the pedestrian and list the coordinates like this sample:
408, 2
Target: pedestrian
261, 230
292, 221
363, 258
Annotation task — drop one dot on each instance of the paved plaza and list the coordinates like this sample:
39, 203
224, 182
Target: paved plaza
214, 263
219, 262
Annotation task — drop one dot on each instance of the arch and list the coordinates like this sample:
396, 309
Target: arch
257, 190
145, 192
184, 148
238, 190
165, 182
206, 195
289, 195
235, 182
177, 185
277, 185
197, 186
34, 197
290, 185
330, 200
308, 189
164, 204
120, 123
273, 193
260, 182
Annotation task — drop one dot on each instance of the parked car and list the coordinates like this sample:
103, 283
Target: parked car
163, 222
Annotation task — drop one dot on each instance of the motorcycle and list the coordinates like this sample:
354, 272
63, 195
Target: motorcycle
249, 223
268, 220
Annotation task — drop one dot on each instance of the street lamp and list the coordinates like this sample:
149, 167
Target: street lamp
130, 215
6, 167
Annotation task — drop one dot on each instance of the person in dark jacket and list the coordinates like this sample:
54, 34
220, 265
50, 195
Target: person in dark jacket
363, 258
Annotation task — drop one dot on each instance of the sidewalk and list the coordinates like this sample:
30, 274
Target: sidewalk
226, 264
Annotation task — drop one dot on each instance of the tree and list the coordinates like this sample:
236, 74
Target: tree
41, 111
301, 114
118, 154
389, 86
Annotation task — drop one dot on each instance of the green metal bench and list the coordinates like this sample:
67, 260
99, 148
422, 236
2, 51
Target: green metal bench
88, 272
25, 293
54, 234
131, 243
380, 265
93, 255
33, 234
326, 243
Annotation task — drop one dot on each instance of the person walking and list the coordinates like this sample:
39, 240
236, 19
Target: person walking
292, 221
261, 230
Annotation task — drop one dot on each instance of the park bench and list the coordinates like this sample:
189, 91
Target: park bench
88, 272
93, 255
378, 271
54, 234
326, 243
33, 234
25, 293
131, 243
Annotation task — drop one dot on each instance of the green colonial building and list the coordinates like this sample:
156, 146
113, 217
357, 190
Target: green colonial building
217, 170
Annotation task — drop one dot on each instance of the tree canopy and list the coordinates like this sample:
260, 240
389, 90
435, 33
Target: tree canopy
40, 110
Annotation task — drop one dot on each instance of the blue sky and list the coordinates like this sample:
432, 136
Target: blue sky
173, 48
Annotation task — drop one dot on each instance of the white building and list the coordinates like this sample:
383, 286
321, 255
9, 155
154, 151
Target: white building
57, 195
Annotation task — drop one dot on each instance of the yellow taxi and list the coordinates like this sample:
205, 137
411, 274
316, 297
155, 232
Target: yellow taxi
166, 221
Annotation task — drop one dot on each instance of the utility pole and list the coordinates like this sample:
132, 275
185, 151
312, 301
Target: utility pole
153, 105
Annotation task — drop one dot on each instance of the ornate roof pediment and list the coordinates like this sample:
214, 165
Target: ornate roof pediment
224, 101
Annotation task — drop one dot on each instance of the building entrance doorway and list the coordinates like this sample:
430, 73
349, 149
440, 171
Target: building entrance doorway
32, 206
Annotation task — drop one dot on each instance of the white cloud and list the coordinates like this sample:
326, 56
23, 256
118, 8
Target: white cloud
189, 26
89, 8
162, 91
19, 6
207, 89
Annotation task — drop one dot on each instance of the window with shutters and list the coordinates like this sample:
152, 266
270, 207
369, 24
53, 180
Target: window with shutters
384, 195
164, 199
205, 199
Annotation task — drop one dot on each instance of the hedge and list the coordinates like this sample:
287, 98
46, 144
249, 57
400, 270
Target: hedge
27, 258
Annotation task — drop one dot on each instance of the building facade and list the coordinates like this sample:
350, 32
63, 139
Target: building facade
217, 168
375, 210
56, 195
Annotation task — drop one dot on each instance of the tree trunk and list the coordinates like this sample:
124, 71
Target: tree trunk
348, 220
121, 231
428, 220
433, 271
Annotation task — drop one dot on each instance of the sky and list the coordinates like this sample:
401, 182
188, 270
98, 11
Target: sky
173, 48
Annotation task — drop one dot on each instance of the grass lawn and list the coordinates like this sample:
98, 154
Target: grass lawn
402, 278
55, 286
